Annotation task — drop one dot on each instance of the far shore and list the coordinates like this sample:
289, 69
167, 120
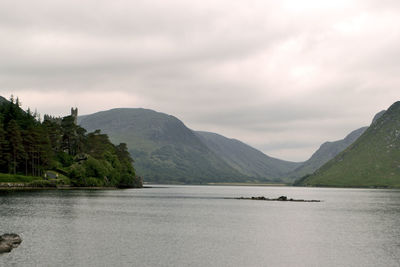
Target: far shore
8, 187
21, 187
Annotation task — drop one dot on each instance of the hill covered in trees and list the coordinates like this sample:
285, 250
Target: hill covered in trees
31, 147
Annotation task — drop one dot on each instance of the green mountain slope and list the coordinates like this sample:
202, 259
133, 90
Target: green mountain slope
328, 151
163, 148
373, 160
2, 100
245, 159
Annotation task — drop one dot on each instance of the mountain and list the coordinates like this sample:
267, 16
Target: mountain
377, 116
3, 100
164, 149
373, 160
244, 158
329, 150
326, 152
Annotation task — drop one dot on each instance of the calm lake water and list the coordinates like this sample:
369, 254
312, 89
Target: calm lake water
197, 226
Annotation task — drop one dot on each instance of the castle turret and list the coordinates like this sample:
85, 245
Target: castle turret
74, 114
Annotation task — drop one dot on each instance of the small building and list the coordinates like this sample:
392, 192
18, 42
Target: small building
50, 175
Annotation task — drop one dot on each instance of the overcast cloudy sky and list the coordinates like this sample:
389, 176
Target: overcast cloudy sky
283, 76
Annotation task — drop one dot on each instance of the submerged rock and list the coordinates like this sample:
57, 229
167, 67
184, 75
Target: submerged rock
8, 242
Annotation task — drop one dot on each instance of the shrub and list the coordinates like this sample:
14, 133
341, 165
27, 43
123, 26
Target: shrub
91, 181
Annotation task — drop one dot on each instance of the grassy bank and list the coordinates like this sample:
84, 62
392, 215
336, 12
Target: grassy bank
23, 181
11, 178
11, 182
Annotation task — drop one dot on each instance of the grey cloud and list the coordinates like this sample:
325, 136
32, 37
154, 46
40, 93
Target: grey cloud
280, 76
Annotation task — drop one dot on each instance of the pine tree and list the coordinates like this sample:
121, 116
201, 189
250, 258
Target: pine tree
16, 148
54, 132
69, 135
4, 155
45, 153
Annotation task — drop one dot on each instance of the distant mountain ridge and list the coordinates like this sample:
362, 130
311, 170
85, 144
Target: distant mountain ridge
373, 160
329, 150
246, 159
165, 150
326, 152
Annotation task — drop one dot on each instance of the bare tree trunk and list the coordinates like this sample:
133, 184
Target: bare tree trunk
15, 163
33, 163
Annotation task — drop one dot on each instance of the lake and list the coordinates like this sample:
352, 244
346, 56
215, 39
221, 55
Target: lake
201, 226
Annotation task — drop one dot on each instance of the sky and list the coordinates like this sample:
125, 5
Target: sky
282, 76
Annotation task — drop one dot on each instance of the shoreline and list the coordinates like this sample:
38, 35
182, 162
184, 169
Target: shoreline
22, 187
6, 187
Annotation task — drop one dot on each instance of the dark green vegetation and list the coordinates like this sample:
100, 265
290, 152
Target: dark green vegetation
247, 160
166, 151
373, 160
29, 147
2, 100
16, 178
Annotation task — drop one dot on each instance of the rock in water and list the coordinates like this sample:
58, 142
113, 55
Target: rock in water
8, 242
5, 247
281, 198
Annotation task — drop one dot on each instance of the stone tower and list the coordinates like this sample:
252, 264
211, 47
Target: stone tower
74, 114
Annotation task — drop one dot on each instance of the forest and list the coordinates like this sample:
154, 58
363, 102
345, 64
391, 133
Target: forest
52, 146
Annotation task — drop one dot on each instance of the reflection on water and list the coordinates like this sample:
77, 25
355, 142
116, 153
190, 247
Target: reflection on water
199, 226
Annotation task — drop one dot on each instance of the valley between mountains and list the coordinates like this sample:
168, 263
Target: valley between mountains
166, 151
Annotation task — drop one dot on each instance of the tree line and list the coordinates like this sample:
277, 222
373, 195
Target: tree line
31, 146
